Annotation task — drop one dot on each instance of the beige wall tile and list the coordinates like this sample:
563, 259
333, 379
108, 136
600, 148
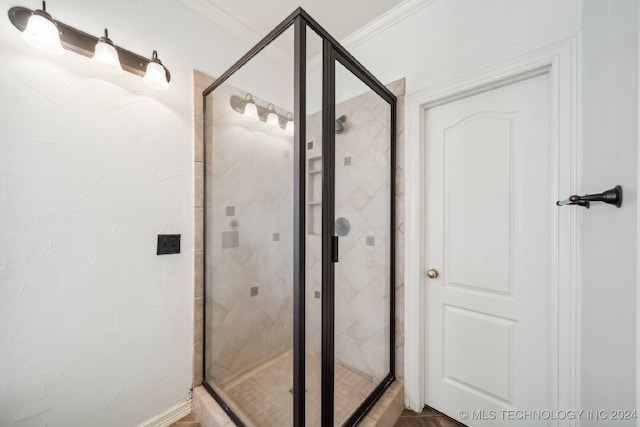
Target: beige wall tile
200, 82
199, 227
198, 139
387, 410
207, 411
197, 364
197, 322
199, 184
198, 274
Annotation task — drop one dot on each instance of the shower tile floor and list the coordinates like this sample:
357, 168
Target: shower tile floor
265, 396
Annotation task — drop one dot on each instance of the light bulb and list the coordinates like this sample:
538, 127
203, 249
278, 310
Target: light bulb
288, 129
273, 120
105, 56
156, 74
272, 117
42, 32
250, 111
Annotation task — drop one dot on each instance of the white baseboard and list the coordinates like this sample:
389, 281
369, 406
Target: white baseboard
170, 416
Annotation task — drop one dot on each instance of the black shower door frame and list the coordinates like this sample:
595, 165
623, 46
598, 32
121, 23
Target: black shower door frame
333, 53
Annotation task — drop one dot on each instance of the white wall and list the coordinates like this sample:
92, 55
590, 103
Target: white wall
609, 235
450, 38
95, 329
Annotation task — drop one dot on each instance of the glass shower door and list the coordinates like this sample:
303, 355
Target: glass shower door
249, 239
362, 278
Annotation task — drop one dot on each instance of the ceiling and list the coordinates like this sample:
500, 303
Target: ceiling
339, 17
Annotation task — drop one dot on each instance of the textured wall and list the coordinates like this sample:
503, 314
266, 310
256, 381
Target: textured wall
609, 235
96, 329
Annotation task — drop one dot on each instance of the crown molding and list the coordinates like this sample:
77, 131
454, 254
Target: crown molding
376, 26
235, 27
223, 19
384, 21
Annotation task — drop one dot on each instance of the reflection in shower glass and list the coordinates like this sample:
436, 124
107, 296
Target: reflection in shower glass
362, 277
249, 232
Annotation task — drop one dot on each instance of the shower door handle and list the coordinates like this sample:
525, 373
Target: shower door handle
334, 248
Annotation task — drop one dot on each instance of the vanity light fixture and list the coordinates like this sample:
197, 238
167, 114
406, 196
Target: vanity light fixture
250, 109
41, 30
105, 56
288, 129
272, 117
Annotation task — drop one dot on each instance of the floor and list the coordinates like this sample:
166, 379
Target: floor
265, 394
429, 417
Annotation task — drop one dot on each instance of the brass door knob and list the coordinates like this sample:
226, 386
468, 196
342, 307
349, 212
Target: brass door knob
432, 273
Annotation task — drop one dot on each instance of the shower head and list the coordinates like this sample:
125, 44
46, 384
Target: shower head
339, 121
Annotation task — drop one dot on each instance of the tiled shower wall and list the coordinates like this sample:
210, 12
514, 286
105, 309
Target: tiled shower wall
249, 221
362, 197
201, 81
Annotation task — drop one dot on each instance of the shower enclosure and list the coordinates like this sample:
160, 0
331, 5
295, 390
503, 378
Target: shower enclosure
299, 236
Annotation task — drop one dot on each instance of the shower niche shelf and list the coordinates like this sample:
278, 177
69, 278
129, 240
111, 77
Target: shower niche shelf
314, 194
315, 164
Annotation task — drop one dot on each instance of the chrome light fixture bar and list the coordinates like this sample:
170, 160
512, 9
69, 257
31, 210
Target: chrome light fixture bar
84, 44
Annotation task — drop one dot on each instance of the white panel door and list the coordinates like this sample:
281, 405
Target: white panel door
489, 235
